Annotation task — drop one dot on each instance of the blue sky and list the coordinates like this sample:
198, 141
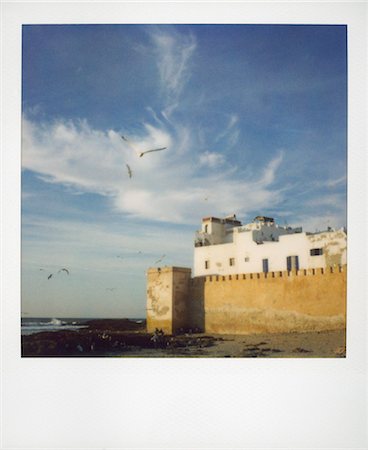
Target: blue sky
254, 121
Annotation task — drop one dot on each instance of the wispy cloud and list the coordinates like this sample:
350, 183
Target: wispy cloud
173, 51
169, 186
336, 182
269, 172
230, 132
211, 159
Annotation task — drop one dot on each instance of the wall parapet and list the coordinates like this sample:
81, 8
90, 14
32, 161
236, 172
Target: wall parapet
279, 301
273, 274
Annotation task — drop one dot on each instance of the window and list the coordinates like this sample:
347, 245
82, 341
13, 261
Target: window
207, 264
316, 251
265, 265
246, 259
232, 261
292, 262
206, 228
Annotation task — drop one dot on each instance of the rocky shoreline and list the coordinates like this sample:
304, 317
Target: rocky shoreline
105, 337
127, 338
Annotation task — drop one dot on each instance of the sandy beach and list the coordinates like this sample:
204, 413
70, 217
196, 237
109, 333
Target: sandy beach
125, 338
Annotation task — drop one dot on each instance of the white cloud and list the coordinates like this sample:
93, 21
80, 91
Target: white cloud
332, 201
174, 52
269, 172
211, 159
231, 133
169, 186
320, 222
336, 181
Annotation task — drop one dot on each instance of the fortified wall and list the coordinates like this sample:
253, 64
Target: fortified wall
273, 302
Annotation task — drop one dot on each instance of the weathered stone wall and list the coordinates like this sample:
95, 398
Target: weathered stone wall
304, 300
159, 300
167, 294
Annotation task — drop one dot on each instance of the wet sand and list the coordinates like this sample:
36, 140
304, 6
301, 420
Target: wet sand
124, 338
326, 344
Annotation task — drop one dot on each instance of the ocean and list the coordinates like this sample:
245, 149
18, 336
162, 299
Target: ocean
31, 325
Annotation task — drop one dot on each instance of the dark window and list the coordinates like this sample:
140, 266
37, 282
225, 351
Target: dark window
265, 265
232, 261
316, 251
206, 264
292, 262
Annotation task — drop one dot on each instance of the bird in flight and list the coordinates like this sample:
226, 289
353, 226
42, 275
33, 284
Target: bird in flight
140, 153
159, 260
130, 173
61, 270
153, 150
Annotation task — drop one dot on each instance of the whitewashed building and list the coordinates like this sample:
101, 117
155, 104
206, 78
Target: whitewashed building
225, 247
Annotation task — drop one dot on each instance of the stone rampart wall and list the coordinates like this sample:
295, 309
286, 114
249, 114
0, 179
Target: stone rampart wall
274, 302
303, 300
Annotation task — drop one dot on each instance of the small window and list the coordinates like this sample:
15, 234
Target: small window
316, 251
232, 261
207, 264
206, 228
246, 259
265, 265
292, 263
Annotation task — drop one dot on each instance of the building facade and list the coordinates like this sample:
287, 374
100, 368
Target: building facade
254, 278
225, 247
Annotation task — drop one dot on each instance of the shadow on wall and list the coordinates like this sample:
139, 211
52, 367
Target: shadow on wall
196, 315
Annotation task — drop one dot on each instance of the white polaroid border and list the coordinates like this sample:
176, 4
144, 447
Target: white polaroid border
184, 403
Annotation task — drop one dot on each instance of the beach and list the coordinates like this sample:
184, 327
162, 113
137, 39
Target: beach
127, 338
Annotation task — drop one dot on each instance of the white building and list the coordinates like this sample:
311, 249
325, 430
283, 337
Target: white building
225, 247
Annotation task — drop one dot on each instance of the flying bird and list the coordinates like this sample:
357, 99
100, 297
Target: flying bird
153, 150
140, 153
64, 270
130, 173
159, 260
51, 274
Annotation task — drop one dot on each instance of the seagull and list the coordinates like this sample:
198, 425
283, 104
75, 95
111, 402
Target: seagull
51, 274
111, 289
140, 153
129, 171
153, 150
159, 260
65, 270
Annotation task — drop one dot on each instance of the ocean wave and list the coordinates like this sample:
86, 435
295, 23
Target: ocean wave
43, 323
56, 322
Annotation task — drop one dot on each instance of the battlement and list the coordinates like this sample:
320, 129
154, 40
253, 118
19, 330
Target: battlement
270, 275
261, 302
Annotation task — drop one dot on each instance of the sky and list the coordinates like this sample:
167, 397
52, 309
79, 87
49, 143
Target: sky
254, 121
